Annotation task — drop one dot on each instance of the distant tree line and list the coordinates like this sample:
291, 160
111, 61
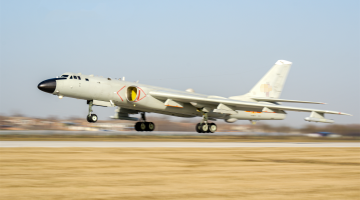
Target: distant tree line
164, 123
348, 129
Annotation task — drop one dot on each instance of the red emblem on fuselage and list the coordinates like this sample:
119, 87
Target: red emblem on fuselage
141, 94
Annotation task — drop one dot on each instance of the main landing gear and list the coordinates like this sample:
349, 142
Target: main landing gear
143, 125
92, 118
204, 126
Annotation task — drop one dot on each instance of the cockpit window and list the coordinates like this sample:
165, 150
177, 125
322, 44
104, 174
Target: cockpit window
64, 76
75, 77
86, 79
79, 78
71, 77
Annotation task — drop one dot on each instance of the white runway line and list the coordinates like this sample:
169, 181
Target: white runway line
60, 144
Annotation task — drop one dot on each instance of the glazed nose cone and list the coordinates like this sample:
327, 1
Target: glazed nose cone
48, 85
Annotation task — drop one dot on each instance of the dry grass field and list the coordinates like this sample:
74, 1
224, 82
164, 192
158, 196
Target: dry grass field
179, 173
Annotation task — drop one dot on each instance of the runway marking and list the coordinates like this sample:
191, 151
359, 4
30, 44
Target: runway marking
61, 144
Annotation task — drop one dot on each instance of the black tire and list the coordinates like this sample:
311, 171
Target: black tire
212, 128
150, 126
93, 118
198, 127
204, 127
136, 126
142, 126
88, 119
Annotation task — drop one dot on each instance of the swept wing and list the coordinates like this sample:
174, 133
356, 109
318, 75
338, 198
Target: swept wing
241, 105
284, 100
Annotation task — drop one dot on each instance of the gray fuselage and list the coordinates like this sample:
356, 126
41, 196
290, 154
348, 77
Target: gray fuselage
137, 97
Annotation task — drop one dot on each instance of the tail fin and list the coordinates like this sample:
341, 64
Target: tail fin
272, 83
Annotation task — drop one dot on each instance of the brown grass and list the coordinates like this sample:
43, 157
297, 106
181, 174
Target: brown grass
180, 173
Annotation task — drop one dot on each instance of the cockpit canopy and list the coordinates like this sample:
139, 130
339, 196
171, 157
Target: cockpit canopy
72, 76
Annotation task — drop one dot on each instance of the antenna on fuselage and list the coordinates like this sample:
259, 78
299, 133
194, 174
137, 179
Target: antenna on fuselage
123, 78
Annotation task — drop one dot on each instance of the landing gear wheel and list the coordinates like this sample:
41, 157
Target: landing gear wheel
198, 127
137, 126
204, 127
150, 126
92, 118
142, 126
212, 127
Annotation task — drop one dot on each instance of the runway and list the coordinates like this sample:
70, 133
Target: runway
61, 144
154, 133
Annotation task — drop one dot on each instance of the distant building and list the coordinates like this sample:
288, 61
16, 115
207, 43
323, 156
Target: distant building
323, 134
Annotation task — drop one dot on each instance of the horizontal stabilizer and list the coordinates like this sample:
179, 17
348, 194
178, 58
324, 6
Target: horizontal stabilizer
284, 100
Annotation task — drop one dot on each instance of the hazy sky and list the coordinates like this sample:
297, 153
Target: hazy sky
215, 47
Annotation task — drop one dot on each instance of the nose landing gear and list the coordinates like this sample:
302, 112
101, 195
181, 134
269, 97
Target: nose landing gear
143, 125
204, 126
92, 118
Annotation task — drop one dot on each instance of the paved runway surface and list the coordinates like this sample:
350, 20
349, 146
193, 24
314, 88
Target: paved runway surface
4, 144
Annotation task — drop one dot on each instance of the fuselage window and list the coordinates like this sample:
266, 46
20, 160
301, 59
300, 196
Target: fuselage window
86, 79
75, 77
70, 77
79, 78
64, 76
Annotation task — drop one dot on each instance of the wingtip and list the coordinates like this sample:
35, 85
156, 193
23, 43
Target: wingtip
346, 114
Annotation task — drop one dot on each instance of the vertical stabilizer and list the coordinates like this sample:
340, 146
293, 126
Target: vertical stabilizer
272, 83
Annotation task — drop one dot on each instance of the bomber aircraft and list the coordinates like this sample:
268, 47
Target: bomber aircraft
262, 102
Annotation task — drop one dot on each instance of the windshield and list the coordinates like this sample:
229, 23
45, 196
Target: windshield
64, 76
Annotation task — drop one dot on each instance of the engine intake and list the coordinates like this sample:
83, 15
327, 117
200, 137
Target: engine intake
132, 93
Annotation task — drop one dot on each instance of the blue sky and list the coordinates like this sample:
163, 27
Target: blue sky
215, 47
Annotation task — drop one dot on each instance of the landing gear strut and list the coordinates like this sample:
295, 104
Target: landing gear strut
205, 126
92, 118
143, 125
